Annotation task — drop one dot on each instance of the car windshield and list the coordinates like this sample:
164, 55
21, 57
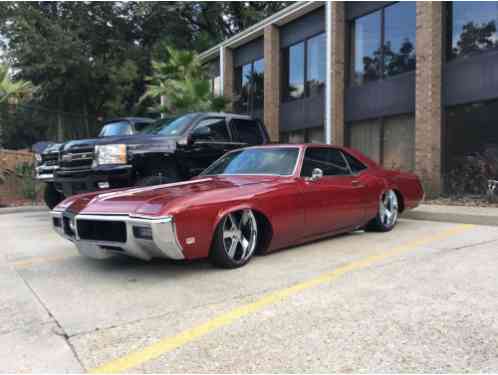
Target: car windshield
116, 128
170, 126
275, 161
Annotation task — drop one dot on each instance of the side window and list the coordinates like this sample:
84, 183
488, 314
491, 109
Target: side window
139, 126
329, 160
211, 129
356, 165
247, 131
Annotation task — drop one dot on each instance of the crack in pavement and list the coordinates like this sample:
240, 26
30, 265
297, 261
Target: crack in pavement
61, 332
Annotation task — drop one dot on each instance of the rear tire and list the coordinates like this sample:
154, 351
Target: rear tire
387, 215
51, 196
235, 240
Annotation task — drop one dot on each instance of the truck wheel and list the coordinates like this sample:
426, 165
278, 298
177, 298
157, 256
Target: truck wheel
51, 196
156, 180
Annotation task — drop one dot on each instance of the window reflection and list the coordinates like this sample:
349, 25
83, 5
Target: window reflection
473, 27
250, 86
378, 52
367, 41
296, 71
316, 51
399, 45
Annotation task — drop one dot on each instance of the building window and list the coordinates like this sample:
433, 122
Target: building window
383, 43
389, 141
304, 67
309, 135
472, 27
215, 86
250, 86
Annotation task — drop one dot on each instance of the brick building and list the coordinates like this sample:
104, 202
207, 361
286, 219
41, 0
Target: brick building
414, 85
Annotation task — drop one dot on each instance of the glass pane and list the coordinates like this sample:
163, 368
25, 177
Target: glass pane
474, 26
330, 161
213, 129
366, 51
316, 64
399, 143
246, 88
296, 71
365, 137
116, 128
248, 131
258, 78
217, 86
275, 161
399, 45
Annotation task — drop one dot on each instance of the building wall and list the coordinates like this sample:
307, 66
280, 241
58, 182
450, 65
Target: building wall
411, 120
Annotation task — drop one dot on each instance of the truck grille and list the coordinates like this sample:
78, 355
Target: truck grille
50, 159
81, 159
102, 230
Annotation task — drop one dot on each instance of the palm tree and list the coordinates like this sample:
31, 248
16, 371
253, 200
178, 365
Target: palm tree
182, 83
9, 89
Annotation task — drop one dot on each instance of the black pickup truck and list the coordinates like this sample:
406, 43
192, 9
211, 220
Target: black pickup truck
168, 150
47, 153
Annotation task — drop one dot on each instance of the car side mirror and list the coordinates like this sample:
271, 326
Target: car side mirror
316, 174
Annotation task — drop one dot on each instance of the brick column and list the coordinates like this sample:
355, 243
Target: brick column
337, 27
227, 73
428, 103
272, 81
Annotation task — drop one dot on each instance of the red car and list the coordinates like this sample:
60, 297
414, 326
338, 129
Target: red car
256, 199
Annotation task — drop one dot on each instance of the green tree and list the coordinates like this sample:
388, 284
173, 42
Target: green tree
181, 82
10, 89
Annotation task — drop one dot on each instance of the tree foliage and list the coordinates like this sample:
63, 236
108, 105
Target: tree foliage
182, 83
10, 89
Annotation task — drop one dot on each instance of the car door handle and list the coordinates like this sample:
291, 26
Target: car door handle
356, 183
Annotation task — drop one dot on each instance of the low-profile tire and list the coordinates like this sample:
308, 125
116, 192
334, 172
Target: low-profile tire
387, 214
157, 180
235, 240
51, 196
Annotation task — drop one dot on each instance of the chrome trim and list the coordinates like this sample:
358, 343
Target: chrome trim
164, 243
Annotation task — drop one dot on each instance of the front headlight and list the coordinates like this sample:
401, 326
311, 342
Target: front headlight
38, 158
110, 154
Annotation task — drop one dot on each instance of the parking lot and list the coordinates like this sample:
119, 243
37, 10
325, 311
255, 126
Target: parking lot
423, 297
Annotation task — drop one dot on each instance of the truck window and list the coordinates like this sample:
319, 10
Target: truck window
211, 129
116, 128
247, 131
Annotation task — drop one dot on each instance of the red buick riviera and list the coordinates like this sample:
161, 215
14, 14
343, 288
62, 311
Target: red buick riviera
256, 199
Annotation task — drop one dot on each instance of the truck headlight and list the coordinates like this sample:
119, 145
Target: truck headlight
110, 154
38, 158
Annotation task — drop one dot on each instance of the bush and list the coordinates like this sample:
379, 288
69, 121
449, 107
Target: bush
25, 171
472, 174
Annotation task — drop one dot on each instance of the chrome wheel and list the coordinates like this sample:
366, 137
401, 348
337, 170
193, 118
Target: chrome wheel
388, 209
240, 234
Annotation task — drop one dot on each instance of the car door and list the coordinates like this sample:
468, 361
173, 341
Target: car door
333, 202
210, 139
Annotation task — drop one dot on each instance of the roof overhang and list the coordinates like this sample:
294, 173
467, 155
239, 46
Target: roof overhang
281, 18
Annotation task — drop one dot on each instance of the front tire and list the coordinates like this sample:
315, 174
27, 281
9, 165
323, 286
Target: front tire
235, 240
387, 215
51, 196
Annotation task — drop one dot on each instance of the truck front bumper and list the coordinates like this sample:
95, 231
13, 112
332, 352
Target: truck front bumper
70, 182
101, 236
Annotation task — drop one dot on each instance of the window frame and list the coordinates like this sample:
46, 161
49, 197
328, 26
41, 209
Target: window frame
285, 76
349, 174
351, 44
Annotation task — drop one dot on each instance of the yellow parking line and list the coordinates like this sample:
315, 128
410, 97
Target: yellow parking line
35, 260
168, 344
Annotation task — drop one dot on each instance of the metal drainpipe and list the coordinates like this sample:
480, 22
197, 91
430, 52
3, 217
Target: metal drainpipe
328, 76
222, 70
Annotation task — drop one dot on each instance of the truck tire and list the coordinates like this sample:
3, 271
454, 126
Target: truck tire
51, 196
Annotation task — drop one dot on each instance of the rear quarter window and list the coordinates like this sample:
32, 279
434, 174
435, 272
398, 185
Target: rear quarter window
355, 165
247, 131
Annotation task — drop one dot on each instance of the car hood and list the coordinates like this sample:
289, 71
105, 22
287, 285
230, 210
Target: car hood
46, 147
159, 200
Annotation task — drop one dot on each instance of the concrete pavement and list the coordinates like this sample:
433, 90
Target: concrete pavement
420, 298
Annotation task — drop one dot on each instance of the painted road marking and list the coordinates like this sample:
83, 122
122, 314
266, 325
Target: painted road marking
20, 264
168, 344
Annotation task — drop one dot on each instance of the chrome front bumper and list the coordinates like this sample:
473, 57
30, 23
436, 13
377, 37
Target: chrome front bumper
163, 244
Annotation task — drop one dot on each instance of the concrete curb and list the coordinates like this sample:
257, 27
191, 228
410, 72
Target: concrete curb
21, 209
454, 214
